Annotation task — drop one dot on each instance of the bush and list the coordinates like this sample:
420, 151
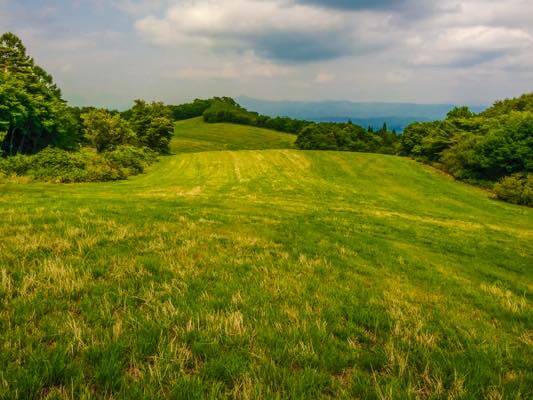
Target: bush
131, 159
55, 165
49, 164
517, 189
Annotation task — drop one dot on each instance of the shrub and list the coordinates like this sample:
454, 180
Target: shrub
55, 165
49, 164
131, 159
516, 188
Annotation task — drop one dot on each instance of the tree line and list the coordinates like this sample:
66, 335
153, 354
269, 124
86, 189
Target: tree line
225, 109
493, 148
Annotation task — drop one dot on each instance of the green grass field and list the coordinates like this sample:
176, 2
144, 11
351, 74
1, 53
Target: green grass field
264, 274
194, 136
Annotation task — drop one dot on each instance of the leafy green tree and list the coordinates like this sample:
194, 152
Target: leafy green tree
522, 104
152, 124
506, 148
189, 110
411, 140
489, 146
32, 113
343, 137
158, 135
316, 137
460, 112
106, 131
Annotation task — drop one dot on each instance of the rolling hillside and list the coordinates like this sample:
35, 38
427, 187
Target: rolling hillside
193, 135
241, 268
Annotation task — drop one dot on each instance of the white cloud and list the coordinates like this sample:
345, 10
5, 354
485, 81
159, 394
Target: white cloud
212, 21
466, 46
273, 29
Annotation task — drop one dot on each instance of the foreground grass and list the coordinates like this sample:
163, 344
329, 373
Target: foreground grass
265, 274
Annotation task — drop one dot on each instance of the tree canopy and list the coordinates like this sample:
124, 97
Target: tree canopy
494, 145
32, 112
106, 131
152, 124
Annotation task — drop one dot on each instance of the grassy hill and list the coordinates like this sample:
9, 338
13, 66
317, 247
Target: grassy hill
264, 274
193, 135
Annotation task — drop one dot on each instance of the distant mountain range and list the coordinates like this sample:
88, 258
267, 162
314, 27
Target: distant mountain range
396, 115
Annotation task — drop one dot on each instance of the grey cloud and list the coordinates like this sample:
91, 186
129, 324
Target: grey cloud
300, 48
290, 35
405, 11
358, 4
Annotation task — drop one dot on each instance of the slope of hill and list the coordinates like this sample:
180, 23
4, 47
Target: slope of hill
264, 274
396, 115
193, 135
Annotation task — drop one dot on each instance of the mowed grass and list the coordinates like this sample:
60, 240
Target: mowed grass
193, 135
265, 274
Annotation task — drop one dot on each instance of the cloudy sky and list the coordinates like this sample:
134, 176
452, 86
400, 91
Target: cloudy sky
107, 52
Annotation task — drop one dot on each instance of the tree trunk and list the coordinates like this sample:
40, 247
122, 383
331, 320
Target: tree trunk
21, 145
11, 140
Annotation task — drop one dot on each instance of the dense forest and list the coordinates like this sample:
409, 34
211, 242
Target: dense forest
42, 137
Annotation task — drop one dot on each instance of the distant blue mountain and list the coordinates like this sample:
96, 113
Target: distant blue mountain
396, 115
